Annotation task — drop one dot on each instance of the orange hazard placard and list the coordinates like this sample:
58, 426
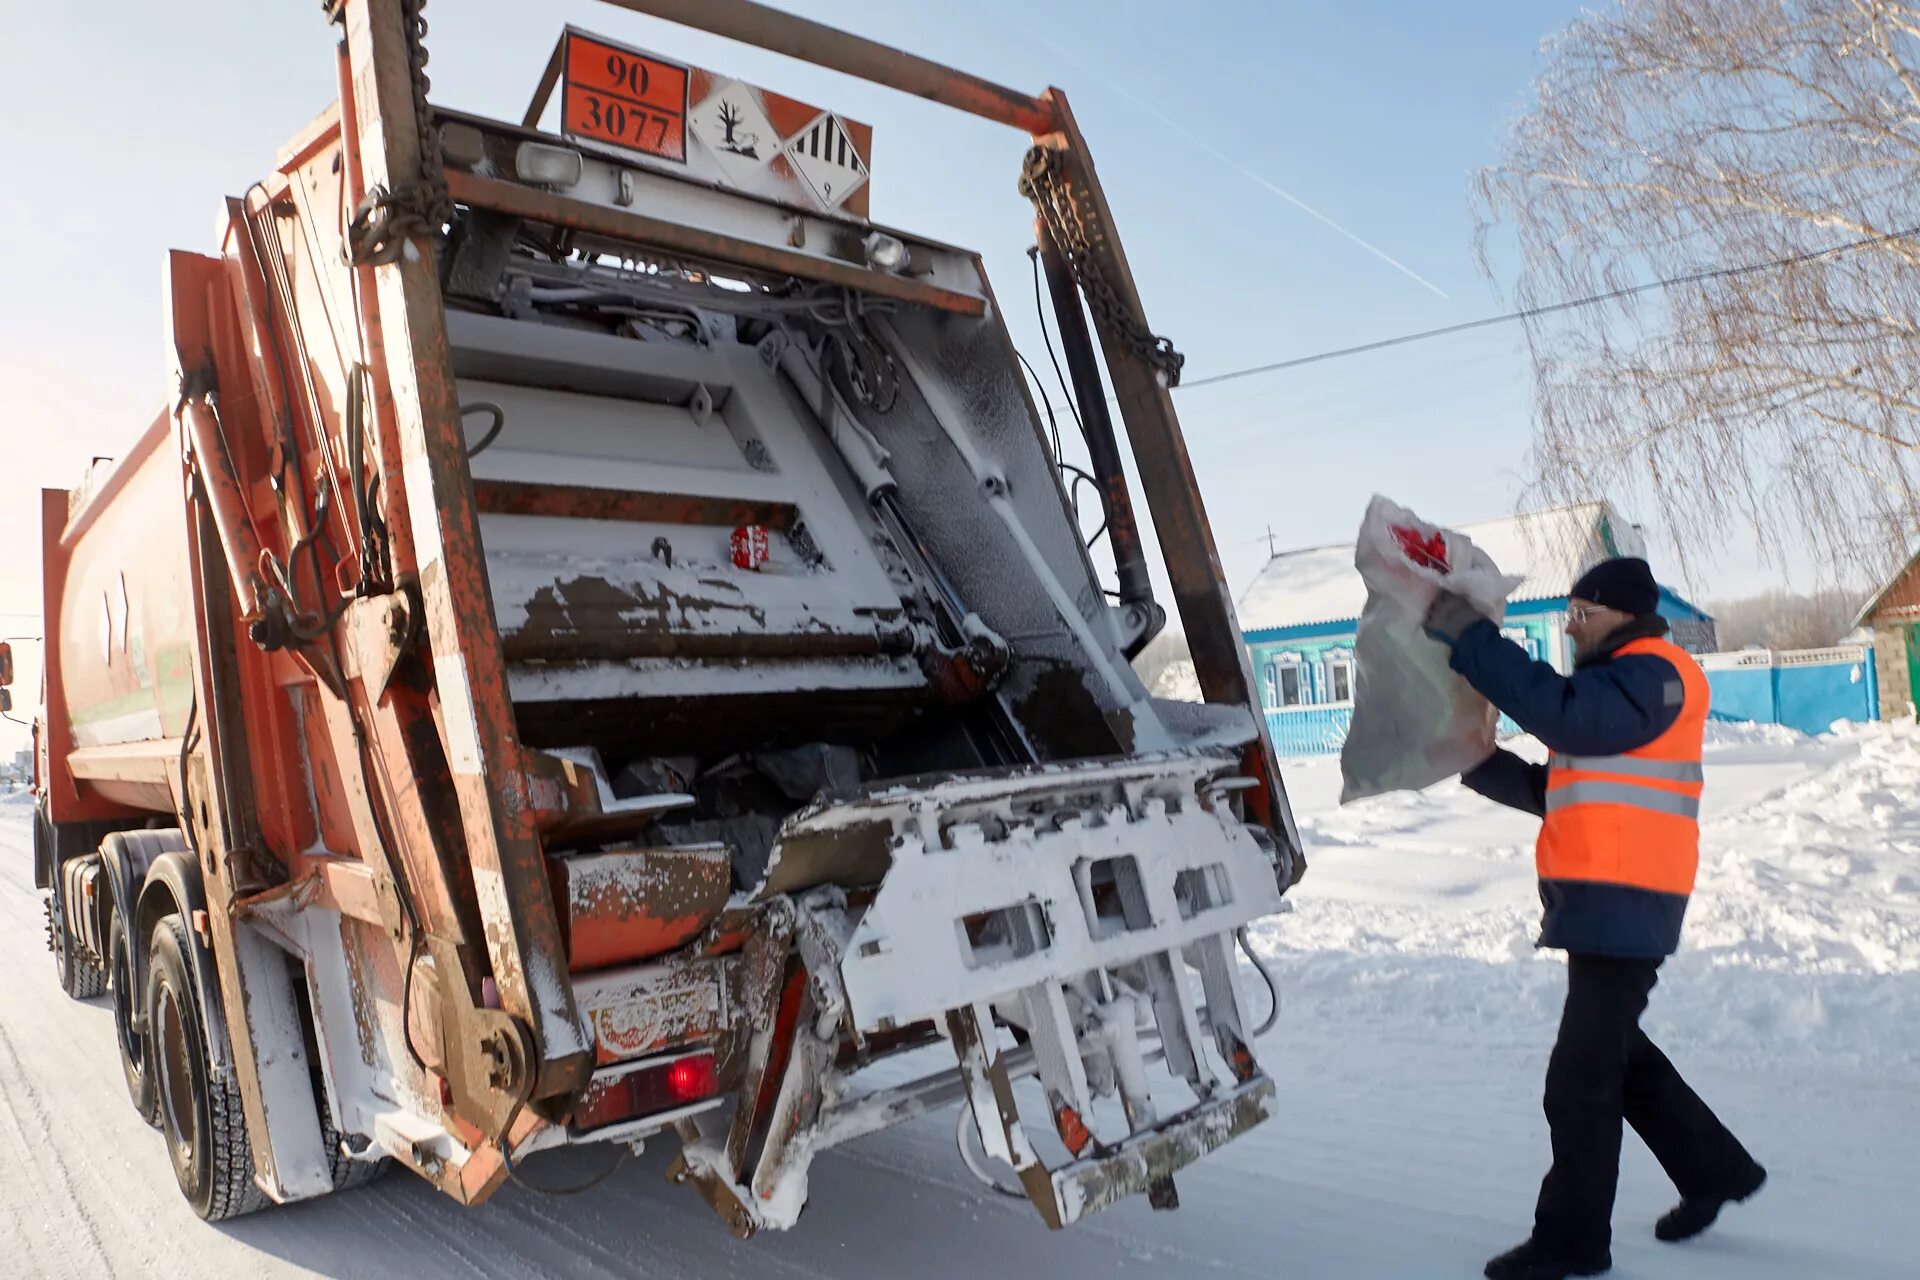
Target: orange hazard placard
624, 97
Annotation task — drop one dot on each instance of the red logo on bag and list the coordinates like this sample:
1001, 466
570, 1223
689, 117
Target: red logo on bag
1427, 552
750, 546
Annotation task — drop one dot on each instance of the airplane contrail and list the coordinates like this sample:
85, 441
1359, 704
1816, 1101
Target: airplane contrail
1245, 172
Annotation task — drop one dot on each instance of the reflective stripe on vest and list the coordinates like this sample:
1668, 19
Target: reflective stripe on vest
1626, 793
1632, 767
1632, 819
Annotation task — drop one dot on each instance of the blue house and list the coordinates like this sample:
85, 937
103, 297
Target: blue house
1299, 615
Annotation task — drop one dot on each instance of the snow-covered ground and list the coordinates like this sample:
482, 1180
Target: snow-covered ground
1416, 1029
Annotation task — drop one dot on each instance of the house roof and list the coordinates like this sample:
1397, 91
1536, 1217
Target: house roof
1550, 549
1885, 589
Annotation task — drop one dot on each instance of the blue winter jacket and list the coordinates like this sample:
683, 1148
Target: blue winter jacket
1609, 705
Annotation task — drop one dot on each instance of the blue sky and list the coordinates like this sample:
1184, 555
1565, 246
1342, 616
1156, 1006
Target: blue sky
1374, 114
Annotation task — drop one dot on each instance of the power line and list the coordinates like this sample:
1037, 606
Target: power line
1529, 313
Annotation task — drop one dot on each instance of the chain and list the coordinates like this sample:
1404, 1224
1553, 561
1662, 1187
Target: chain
386, 220
1042, 181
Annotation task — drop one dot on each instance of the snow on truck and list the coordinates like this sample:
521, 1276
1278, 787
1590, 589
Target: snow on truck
597, 647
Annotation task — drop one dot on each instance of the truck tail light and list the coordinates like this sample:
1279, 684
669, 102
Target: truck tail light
644, 1089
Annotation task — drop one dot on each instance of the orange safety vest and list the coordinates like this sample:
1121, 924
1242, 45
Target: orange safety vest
1632, 819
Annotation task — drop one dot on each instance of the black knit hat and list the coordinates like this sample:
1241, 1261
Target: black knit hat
1625, 583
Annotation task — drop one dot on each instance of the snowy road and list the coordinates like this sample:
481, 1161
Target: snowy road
1415, 1035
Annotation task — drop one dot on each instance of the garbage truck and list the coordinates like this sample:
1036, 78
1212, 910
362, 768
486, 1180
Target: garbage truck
597, 646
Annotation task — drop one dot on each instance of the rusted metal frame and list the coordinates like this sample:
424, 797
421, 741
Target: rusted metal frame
584, 502
996, 1113
255, 989
272, 389
343, 885
1103, 451
226, 502
537, 205
842, 51
770, 995
1187, 547
795, 1110
289, 1159
371, 837
414, 381
408, 764
388, 457
1147, 1160
275, 322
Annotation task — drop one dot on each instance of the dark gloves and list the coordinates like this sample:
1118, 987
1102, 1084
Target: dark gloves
1448, 617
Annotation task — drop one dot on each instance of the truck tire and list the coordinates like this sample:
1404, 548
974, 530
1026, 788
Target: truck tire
80, 973
129, 1016
348, 1172
200, 1112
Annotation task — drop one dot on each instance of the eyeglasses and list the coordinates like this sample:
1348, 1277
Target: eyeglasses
1579, 613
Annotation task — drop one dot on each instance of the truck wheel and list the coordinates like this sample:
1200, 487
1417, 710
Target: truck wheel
347, 1172
80, 974
128, 1016
200, 1111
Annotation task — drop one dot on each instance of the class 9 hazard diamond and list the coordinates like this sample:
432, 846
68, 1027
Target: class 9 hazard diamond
827, 160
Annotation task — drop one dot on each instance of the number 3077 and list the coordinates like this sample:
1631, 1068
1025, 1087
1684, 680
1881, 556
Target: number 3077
624, 120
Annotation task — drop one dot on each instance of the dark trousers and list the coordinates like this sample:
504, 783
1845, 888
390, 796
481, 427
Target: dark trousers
1605, 1070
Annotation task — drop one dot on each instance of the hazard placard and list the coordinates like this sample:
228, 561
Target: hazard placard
624, 97
707, 127
828, 160
732, 124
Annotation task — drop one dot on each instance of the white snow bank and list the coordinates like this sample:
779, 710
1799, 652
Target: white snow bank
1802, 936
1178, 681
1729, 733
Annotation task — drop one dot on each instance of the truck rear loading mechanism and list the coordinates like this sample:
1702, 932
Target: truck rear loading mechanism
596, 647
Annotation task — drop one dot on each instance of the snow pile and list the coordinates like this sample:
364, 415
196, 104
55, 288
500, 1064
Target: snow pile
1179, 681
1739, 733
1823, 877
1802, 938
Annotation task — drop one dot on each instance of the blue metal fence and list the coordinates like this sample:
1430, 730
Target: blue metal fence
1321, 731
1309, 731
1804, 689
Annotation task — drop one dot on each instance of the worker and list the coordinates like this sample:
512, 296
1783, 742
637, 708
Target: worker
1618, 847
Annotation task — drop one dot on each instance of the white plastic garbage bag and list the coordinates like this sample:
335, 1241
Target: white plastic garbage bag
1415, 720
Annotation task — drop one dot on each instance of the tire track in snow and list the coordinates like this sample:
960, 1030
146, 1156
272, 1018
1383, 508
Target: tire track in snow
31, 1132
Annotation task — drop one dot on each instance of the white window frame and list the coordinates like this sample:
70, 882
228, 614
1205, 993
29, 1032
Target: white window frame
1290, 662
1337, 660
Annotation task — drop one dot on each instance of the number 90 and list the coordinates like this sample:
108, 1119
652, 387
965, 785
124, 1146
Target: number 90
628, 74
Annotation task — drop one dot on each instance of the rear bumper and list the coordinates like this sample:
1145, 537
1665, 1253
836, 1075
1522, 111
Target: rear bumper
1074, 904
1151, 1157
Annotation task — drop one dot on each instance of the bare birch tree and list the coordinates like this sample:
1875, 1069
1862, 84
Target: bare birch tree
1668, 136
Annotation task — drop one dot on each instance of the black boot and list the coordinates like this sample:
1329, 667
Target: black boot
1530, 1261
1696, 1213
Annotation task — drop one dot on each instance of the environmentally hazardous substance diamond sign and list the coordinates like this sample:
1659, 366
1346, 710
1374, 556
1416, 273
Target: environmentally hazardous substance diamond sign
825, 157
731, 123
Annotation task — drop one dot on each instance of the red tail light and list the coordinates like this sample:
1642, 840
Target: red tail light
692, 1079
628, 1093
